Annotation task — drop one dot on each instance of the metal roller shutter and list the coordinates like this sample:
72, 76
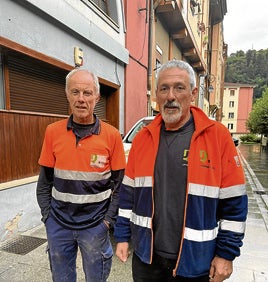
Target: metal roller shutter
36, 86
100, 109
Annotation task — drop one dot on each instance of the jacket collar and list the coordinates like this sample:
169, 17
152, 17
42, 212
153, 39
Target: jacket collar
201, 121
95, 130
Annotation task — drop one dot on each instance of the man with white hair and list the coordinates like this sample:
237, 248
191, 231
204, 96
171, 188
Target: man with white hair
82, 165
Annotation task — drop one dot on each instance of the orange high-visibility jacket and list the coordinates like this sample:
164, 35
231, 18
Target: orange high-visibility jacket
84, 191
216, 200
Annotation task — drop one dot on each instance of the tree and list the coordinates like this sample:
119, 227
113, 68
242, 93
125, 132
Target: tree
258, 118
248, 68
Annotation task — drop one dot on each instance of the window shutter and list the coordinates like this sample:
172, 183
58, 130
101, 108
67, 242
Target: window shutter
36, 86
100, 109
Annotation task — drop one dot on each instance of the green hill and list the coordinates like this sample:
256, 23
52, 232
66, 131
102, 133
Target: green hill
249, 67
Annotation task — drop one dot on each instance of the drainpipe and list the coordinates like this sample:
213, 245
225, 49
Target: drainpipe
152, 7
150, 57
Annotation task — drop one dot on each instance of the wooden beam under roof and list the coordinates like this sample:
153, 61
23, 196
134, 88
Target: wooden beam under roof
182, 33
189, 52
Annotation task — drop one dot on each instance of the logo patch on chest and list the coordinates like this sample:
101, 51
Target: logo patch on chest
98, 160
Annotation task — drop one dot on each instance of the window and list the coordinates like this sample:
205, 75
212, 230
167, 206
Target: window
104, 7
230, 126
231, 115
232, 92
102, 4
231, 104
159, 59
195, 7
157, 67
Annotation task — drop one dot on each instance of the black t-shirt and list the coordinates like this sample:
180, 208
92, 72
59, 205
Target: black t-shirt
170, 188
82, 130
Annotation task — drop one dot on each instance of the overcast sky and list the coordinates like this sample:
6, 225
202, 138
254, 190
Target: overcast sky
246, 25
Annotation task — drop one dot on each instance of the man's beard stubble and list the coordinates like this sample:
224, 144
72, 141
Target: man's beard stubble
171, 117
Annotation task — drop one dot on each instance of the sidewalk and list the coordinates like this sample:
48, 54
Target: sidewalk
251, 266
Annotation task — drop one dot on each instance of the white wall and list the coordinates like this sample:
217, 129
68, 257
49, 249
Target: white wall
19, 210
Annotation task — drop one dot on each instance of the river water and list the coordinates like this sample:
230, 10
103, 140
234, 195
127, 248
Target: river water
257, 158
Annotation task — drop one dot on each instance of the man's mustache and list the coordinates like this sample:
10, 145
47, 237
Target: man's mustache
171, 104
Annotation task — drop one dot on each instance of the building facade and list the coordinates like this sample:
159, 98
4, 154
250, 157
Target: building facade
237, 104
137, 38
192, 31
124, 42
40, 42
161, 30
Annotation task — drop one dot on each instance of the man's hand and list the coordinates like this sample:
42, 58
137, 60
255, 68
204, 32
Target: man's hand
220, 269
122, 251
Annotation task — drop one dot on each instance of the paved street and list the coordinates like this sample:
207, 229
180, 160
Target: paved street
251, 266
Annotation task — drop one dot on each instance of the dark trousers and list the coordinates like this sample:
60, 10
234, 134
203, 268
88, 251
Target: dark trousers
95, 247
159, 271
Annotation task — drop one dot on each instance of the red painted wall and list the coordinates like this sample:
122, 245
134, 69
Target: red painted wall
136, 70
245, 100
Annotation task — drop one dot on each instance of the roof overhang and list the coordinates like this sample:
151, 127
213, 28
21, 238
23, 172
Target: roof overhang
170, 15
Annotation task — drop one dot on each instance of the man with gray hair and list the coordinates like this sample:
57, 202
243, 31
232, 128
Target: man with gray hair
183, 199
82, 165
